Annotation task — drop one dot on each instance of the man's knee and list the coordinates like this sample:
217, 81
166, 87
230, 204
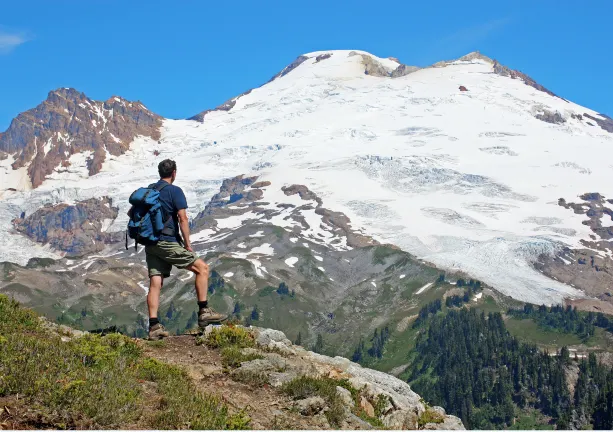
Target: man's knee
156, 281
200, 267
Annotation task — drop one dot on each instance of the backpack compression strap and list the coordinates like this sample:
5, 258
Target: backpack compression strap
158, 187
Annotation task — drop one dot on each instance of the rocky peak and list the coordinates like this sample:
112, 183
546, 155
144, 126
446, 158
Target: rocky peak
45, 138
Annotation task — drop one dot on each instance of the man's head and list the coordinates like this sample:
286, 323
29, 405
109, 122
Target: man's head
168, 170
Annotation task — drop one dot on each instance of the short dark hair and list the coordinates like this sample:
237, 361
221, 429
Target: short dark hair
166, 167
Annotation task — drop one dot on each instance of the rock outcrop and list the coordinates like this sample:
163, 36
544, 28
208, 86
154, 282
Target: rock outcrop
589, 268
68, 123
371, 66
74, 229
605, 122
513, 74
553, 117
226, 106
283, 362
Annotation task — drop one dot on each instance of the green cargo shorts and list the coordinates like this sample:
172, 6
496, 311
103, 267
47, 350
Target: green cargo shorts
163, 255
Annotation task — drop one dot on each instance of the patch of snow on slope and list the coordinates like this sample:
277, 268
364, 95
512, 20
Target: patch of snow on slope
425, 287
228, 275
291, 261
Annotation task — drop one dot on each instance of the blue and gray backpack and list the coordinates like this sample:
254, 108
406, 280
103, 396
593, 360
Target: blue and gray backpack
147, 219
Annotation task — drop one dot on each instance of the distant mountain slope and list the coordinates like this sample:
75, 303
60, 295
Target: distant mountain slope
462, 164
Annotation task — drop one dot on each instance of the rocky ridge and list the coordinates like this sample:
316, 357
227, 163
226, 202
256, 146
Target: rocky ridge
402, 408
277, 362
68, 123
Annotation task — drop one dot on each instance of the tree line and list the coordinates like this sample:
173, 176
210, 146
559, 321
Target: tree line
468, 363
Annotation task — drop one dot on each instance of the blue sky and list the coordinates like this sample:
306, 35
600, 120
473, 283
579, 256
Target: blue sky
181, 57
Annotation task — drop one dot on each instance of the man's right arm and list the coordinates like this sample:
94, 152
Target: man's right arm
184, 225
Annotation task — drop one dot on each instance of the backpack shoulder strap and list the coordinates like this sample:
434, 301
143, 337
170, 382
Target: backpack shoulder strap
159, 187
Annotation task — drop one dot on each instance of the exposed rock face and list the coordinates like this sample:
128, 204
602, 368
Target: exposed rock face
551, 117
338, 220
462, 88
371, 66
511, 73
604, 122
293, 65
239, 195
75, 229
403, 70
322, 57
232, 191
226, 106
67, 123
229, 104
404, 406
590, 269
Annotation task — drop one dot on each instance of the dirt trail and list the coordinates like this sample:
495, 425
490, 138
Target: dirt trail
267, 408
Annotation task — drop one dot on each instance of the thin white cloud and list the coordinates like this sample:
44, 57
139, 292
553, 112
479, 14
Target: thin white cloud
10, 41
474, 34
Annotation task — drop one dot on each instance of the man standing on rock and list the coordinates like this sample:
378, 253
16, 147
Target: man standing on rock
168, 252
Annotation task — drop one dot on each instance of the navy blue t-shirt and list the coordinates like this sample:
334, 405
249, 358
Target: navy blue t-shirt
172, 199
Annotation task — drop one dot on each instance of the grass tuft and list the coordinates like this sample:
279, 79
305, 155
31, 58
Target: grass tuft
429, 416
226, 336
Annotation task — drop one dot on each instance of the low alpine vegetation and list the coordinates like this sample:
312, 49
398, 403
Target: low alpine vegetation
98, 381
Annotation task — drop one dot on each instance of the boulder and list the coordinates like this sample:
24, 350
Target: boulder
367, 407
449, 423
345, 396
265, 336
310, 406
402, 419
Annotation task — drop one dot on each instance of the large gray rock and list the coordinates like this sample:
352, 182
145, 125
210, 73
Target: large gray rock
310, 406
345, 396
265, 336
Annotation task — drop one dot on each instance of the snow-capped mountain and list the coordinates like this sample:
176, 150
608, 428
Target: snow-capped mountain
467, 164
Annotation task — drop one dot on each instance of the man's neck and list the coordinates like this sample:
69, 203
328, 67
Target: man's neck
167, 180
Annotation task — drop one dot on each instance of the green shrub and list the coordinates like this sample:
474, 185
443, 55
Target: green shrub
304, 387
230, 336
429, 416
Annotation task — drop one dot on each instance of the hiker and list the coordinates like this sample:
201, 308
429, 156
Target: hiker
172, 250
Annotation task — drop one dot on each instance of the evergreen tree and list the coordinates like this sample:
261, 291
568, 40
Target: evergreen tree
255, 315
319, 344
298, 339
283, 289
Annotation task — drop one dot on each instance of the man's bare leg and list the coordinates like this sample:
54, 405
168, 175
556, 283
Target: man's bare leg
153, 297
201, 270
156, 330
206, 315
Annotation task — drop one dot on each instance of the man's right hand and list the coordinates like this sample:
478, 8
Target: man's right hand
189, 247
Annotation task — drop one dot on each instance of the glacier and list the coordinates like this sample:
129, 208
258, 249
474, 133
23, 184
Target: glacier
465, 180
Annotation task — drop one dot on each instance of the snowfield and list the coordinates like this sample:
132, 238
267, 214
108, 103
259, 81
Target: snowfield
466, 180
